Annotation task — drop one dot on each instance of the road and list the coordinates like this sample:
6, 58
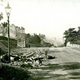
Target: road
66, 54
66, 65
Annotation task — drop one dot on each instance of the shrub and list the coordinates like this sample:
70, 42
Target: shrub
3, 38
2, 52
12, 73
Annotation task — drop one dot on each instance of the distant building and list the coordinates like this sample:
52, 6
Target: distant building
20, 37
1, 30
16, 32
12, 32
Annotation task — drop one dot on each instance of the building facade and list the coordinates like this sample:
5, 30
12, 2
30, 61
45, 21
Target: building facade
16, 32
1, 30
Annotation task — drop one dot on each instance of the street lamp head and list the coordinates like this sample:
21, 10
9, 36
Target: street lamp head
8, 10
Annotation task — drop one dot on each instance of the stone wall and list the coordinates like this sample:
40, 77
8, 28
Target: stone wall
72, 45
21, 43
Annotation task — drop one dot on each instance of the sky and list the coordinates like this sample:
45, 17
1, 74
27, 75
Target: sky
49, 17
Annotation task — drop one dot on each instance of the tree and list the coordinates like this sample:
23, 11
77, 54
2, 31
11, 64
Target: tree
37, 38
34, 39
70, 35
42, 36
27, 36
78, 33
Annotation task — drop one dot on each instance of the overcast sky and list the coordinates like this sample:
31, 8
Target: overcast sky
49, 17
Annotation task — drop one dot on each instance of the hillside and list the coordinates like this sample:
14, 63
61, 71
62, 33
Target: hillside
4, 44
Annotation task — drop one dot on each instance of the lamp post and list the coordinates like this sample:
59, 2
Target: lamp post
8, 10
